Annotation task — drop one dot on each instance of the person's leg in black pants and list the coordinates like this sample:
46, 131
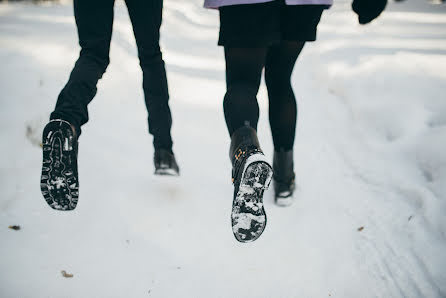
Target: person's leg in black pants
59, 181
146, 19
94, 20
279, 66
243, 73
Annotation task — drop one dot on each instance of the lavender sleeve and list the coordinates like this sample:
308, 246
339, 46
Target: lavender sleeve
219, 3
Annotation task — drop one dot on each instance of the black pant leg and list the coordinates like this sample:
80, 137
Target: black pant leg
243, 73
279, 66
146, 17
94, 20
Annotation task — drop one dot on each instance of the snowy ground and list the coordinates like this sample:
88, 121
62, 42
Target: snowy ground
369, 153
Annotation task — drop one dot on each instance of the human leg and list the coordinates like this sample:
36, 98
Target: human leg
146, 17
243, 73
94, 20
251, 172
246, 32
59, 179
279, 66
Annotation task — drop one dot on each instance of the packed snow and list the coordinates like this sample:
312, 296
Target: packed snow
369, 215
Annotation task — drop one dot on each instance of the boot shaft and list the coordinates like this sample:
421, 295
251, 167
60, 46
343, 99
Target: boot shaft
283, 166
242, 139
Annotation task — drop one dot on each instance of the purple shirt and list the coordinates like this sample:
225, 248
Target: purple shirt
219, 3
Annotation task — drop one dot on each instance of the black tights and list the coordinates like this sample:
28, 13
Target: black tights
243, 73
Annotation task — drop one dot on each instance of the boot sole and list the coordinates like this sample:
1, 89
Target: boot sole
285, 200
59, 181
166, 172
248, 213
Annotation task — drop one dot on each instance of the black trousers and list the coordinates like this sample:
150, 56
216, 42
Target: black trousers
243, 73
94, 20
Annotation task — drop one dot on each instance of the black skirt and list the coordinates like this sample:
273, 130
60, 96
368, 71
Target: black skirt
264, 24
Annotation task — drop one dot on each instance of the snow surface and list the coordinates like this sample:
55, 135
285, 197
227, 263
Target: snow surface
369, 218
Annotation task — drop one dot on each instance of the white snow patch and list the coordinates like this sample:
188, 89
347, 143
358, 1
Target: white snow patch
244, 221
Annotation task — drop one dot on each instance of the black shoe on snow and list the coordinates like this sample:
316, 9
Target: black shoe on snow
59, 181
165, 163
251, 175
283, 178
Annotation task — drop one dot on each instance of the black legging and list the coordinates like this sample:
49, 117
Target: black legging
243, 73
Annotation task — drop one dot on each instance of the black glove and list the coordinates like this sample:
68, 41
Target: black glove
368, 10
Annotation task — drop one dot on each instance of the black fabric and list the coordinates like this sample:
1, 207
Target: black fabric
94, 20
243, 73
368, 10
263, 24
279, 66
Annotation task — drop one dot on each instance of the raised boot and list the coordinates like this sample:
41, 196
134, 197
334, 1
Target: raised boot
251, 176
59, 181
165, 163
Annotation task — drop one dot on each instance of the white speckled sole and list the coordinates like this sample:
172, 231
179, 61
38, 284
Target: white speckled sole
248, 213
59, 182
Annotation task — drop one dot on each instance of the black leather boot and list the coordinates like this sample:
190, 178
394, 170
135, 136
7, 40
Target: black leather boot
251, 175
165, 163
59, 182
283, 179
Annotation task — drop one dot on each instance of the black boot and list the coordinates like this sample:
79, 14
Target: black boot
165, 163
283, 178
251, 175
59, 181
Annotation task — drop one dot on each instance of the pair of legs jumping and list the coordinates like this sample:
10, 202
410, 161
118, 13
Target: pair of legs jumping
256, 37
266, 35
259, 36
94, 20
251, 172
